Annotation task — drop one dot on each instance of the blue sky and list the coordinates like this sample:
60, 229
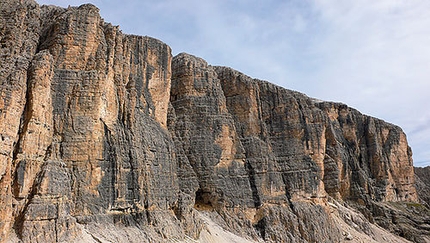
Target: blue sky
372, 55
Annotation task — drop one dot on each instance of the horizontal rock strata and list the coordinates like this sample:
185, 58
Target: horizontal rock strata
107, 137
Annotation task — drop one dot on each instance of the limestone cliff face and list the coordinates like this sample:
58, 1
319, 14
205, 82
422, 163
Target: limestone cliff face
335, 148
84, 116
266, 150
106, 137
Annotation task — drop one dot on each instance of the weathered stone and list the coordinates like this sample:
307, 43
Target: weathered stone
208, 135
422, 178
19, 33
106, 137
89, 122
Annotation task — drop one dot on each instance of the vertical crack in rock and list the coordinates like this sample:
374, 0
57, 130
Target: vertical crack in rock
252, 182
110, 168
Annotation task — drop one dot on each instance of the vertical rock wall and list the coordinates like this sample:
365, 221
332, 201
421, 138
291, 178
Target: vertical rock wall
84, 124
19, 28
284, 148
334, 148
105, 137
208, 134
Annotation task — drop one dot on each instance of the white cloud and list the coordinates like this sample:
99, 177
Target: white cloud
377, 56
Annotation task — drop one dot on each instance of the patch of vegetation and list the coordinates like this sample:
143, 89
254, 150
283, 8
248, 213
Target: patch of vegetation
415, 205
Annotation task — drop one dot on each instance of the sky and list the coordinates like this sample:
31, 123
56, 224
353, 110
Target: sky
371, 55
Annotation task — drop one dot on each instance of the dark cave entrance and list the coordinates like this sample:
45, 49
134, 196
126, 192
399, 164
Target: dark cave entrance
203, 200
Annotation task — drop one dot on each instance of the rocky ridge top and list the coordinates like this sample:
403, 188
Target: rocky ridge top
105, 137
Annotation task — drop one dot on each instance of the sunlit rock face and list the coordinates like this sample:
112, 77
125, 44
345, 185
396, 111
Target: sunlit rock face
107, 137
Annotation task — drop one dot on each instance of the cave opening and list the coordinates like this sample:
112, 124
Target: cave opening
203, 200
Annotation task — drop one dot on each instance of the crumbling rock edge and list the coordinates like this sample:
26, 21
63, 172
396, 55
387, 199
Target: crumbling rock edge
105, 137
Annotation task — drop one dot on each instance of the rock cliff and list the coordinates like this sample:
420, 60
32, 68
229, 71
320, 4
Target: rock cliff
105, 137
422, 179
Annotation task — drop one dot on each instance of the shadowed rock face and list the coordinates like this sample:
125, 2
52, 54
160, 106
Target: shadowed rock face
422, 177
106, 137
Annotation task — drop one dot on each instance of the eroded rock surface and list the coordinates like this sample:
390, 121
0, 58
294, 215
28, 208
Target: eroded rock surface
106, 137
422, 177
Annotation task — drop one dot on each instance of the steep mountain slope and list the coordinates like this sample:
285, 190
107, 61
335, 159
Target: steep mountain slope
105, 137
422, 178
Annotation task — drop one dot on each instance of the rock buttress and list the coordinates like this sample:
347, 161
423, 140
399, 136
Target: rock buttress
271, 157
84, 130
241, 166
339, 151
19, 34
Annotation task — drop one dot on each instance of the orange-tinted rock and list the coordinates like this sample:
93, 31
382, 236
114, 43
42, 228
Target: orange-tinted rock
106, 137
19, 29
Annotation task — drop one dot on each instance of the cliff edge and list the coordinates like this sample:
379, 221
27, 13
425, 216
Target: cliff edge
105, 137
